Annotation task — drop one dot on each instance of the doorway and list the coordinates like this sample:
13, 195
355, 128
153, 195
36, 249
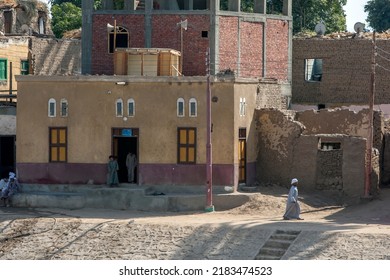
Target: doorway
242, 155
7, 155
125, 141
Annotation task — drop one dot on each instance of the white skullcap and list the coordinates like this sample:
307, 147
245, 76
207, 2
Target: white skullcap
295, 180
12, 175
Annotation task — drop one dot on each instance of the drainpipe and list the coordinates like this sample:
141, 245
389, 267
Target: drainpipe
369, 146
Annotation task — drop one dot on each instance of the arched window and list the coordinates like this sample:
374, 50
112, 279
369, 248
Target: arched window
180, 107
193, 107
131, 107
120, 38
119, 108
51, 108
64, 107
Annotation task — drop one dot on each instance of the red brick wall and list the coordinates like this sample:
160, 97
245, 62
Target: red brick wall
228, 43
102, 61
166, 34
251, 49
277, 49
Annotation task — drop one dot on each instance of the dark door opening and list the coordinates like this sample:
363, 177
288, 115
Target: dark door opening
7, 155
122, 147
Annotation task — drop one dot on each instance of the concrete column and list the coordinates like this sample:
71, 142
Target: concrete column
234, 5
86, 38
148, 23
108, 4
287, 8
260, 6
189, 5
130, 5
214, 36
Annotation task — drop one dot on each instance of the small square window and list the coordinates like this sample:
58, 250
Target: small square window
313, 70
205, 34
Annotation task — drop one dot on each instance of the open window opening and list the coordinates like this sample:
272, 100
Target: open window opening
313, 70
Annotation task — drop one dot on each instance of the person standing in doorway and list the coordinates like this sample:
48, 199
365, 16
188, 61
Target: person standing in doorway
131, 163
112, 176
293, 209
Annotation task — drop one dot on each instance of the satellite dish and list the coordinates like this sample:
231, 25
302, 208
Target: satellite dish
320, 28
359, 27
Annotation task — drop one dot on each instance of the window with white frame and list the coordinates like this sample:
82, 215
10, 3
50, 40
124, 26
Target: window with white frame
242, 106
193, 106
64, 107
51, 108
131, 107
180, 107
119, 108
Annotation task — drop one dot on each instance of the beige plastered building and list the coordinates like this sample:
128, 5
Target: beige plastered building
67, 127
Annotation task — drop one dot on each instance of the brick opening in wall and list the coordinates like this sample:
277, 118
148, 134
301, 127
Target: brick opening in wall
313, 70
330, 146
205, 34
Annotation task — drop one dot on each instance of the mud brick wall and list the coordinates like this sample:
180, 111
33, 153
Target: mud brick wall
342, 121
55, 57
346, 70
286, 150
330, 170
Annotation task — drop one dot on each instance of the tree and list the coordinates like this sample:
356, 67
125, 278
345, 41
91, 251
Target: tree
65, 16
77, 3
307, 13
378, 16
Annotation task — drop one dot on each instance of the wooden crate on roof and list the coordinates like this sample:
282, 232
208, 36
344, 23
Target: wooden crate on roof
146, 62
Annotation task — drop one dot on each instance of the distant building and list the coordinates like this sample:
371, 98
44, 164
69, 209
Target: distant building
27, 47
335, 71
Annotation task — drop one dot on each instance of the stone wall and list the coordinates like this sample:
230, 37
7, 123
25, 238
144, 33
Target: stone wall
55, 57
271, 94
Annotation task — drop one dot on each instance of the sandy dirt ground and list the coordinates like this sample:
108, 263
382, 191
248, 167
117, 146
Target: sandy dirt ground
328, 231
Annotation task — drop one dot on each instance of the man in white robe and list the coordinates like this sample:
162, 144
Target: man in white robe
293, 209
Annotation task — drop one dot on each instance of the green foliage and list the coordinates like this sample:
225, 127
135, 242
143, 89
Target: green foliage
378, 14
77, 3
307, 13
65, 17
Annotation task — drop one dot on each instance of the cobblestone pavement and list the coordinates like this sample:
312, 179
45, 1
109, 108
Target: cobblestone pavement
92, 234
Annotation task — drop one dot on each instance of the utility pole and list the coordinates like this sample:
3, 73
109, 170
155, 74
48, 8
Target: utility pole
209, 166
370, 133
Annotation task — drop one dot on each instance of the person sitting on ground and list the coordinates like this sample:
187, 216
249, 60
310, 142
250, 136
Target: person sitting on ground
10, 189
293, 209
